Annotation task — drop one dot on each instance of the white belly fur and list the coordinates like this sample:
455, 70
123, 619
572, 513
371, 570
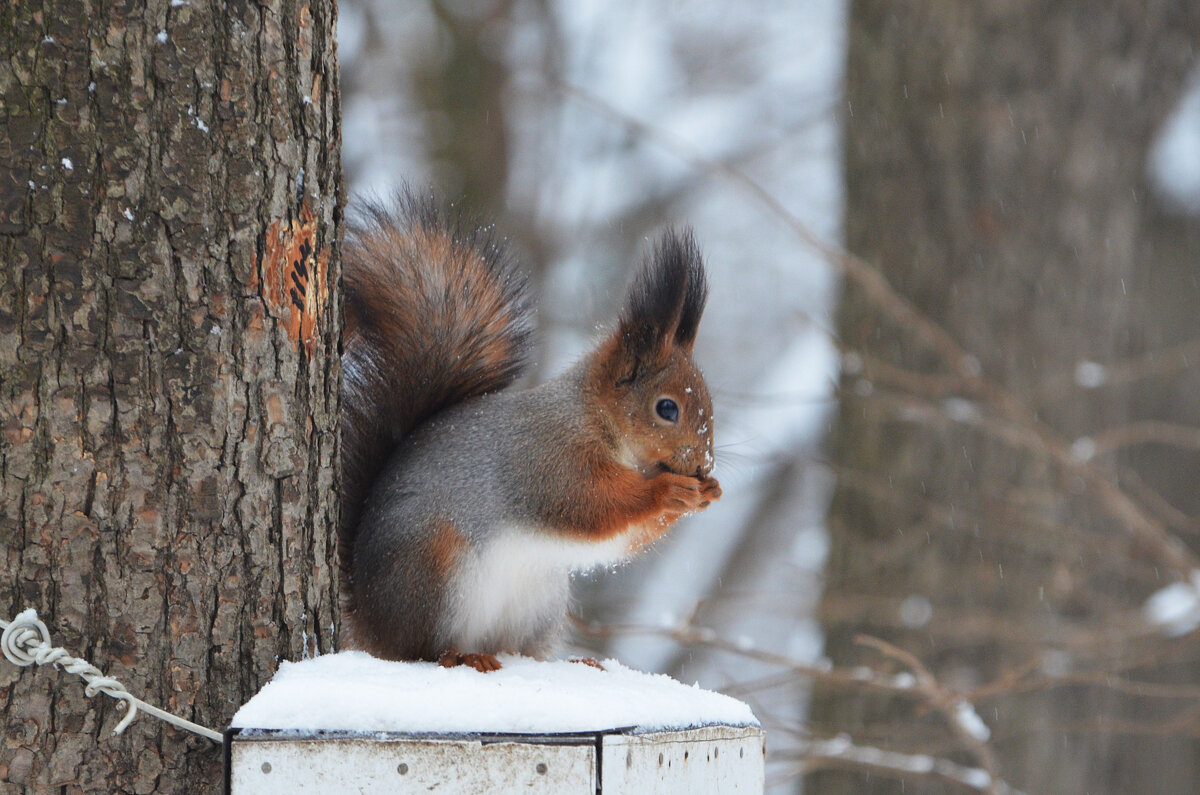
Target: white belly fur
512, 592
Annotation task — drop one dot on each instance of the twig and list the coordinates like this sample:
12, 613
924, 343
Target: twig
841, 752
958, 713
1170, 434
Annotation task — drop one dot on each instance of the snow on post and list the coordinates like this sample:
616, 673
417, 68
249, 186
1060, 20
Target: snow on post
351, 723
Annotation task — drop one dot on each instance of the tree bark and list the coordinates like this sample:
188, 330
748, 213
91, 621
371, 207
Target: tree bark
169, 204
995, 167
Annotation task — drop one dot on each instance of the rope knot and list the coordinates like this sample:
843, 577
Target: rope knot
23, 638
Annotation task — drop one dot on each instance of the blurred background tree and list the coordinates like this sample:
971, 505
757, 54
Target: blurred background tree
1007, 497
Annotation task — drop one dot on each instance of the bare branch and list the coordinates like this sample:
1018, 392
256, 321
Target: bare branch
1170, 434
841, 753
1152, 364
958, 713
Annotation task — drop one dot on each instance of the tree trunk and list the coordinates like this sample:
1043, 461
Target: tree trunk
995, 162
169, 205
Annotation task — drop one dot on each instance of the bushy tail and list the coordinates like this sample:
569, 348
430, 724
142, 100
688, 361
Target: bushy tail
434, 314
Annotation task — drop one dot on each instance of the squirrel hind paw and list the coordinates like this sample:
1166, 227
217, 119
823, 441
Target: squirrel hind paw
483, 663
591, 662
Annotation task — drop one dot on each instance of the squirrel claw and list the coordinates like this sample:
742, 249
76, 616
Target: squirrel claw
483, 663
710, 490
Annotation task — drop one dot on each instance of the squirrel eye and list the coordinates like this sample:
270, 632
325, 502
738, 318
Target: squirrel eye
667, 409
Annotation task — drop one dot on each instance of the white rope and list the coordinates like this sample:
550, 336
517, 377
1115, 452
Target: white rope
25, 641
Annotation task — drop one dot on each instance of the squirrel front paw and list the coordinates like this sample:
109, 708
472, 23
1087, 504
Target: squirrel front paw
683, 494
710, 491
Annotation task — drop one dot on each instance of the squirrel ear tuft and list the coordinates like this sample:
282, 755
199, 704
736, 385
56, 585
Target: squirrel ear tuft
696, 296
665, 301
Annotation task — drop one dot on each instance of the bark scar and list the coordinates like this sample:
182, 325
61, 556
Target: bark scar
294, 276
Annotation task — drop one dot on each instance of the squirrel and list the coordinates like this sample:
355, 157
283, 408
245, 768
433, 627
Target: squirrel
466, 504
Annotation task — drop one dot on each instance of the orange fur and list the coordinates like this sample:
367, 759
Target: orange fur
622, 501
446, 268
445, 548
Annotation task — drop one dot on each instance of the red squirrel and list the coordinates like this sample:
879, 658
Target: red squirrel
467, 504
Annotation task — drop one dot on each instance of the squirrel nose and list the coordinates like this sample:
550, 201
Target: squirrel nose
705, 465
694, 459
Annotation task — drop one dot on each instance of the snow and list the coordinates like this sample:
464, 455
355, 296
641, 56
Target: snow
1174, 162
1083, 448
1090, 375
915, 611
353, 691
196, 120
961, 410
1175, 608
970, 722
